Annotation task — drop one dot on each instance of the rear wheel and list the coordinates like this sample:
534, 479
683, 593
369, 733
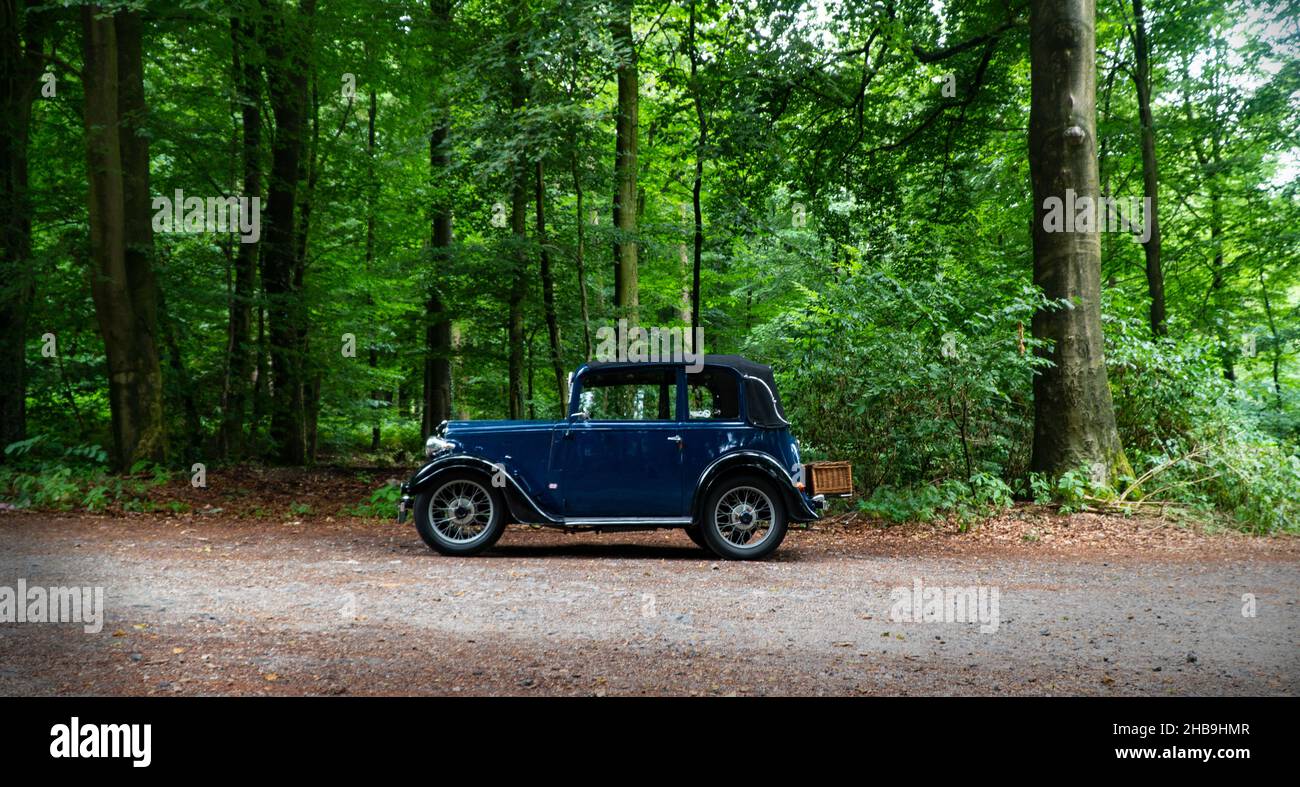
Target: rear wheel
460, 514
743, 518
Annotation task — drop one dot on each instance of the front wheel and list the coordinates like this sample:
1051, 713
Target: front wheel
743, 519
460, 514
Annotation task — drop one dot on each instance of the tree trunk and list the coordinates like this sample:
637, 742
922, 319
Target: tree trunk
311, 406
308, 173
1210, 163
1276, 343
519, 231
437, 337
1104, 175
1218, 284
581, 253
683, 271
240, 374
625, 165
372, 189
122, 283
1150, 178
548, 296
1074, 420
701, 141
531, 399
287, 90
180, 383
22, 37
261, 378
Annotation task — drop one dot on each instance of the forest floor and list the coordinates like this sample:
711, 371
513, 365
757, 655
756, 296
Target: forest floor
275, 590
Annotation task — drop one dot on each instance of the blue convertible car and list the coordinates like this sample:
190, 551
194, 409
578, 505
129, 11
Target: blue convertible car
703, 447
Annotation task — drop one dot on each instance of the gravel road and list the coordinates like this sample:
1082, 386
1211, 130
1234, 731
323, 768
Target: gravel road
198, 605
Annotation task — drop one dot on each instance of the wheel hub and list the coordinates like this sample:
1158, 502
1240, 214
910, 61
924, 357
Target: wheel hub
461, 511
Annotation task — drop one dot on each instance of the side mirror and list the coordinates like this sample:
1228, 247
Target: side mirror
579, 417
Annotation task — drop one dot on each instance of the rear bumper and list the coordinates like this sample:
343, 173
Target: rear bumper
804, 508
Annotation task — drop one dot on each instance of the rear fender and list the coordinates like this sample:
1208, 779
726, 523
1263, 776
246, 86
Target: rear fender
796, 503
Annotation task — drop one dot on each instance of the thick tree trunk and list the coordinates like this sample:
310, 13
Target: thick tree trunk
625, 164
287, 90
1074, 420
22, 36
437, 337
548, 295
122, 283
1150, 176
242, 352
137, 202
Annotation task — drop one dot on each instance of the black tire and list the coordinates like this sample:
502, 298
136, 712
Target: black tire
472, 526
724, 527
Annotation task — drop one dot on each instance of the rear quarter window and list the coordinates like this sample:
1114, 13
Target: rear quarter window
713, 394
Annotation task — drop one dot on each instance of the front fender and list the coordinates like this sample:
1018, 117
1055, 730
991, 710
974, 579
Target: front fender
523, 509
797, 504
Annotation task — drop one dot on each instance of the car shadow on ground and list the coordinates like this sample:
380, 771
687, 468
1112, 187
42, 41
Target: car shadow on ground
597, 546
598, 550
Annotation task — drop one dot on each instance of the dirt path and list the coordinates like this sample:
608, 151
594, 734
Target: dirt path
326, 605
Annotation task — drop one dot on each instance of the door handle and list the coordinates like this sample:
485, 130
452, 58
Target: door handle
675, 438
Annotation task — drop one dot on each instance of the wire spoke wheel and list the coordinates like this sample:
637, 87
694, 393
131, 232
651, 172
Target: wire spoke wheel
744, 517
460, 511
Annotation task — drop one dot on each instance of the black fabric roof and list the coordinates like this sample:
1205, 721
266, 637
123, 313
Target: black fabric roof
762, 401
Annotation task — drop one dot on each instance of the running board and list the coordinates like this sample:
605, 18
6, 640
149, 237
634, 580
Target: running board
603, 521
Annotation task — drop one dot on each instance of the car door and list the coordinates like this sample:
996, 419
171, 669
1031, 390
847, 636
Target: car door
624, 461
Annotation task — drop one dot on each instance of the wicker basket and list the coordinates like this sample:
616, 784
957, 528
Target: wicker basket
829, 478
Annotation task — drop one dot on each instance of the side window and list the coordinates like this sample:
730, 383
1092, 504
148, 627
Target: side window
713, 395
630, 394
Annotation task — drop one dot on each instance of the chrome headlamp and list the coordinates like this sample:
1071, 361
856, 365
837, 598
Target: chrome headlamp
436, 445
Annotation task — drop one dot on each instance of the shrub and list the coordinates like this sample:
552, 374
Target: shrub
382, 502
911, 382
981, 495
1195, 438
42, 473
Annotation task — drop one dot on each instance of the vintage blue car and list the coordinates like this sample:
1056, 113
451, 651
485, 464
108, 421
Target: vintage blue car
702, 446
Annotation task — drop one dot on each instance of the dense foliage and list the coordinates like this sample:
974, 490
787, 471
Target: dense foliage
864, 203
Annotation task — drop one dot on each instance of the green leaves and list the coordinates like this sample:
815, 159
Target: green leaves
909, 381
